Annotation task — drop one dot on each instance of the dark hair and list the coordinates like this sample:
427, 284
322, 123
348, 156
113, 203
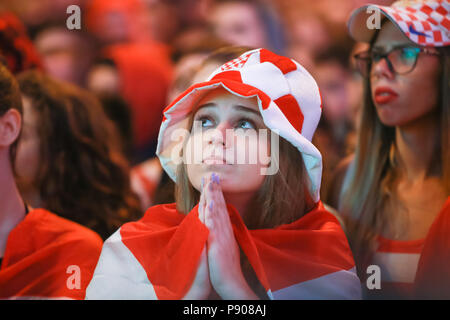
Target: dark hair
83, 176
118, 110
335, 53
9, 99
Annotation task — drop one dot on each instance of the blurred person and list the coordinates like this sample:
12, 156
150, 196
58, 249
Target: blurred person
141, 74
36, 13
118, 21
251, 23
234, 232
66, 54
335, 129
188, 57
394, 192
16, 49
308, 34
103, 77
117, 110
68, 159
36, 246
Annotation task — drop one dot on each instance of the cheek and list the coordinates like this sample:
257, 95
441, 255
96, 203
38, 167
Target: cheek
420, 92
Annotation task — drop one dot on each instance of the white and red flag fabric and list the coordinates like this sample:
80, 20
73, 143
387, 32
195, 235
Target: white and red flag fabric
157, 257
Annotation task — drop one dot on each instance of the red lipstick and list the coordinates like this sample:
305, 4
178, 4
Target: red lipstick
384, 95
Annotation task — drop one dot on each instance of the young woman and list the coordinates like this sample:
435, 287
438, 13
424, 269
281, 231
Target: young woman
69, 159
42, 256
395, 194
240, 228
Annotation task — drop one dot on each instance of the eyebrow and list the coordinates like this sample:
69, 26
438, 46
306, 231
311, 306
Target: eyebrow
392, 47
236, 107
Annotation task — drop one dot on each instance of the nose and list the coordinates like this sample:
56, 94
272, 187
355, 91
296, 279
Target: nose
218, 135
381, 69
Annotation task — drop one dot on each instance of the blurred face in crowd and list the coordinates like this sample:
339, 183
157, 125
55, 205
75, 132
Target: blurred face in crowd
28, 150
103, 79
64, 54
333, 80
223, 111
239, 24
401, 99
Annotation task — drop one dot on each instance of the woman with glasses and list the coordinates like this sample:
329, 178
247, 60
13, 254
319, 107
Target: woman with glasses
394, 192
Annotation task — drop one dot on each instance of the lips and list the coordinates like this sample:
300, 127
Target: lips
384, 95
214, 161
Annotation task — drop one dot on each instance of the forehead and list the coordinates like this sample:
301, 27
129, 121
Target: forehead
222, 98
390, 35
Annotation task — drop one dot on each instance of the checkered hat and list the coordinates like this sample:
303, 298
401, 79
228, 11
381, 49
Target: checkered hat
425, 22
288, 99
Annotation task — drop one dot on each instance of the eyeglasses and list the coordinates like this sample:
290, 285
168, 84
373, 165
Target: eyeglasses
400, 60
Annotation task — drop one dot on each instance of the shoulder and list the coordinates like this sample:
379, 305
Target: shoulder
46, 227
320, 218
162, 215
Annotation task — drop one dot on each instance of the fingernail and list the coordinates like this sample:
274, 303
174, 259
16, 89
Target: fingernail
211, 204
215, 178
203, 182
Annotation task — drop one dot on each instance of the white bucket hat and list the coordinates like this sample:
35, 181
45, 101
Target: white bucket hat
424, 22
288, 99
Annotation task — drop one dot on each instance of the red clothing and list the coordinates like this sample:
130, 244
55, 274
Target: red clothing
39, 252
416, 269
433, 274
145, 73
398, 262
157, 257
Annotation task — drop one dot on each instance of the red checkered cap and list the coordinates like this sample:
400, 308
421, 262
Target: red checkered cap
424, 22
288, 97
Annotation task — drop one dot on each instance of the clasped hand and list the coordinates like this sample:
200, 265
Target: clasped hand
219, 266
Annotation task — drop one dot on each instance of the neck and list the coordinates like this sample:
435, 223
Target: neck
12, 209
241, 201
31, 197
416, 144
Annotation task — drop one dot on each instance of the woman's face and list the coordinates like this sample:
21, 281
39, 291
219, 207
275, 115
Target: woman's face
239, 24
28, 149
403, 99
226, 137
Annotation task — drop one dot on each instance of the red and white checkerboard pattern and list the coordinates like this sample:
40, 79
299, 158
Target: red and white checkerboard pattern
424, 22
288, 98
236, 63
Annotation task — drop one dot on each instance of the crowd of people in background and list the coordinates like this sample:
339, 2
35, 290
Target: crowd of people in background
93, 101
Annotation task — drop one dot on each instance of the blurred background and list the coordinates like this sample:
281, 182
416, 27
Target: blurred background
136, 56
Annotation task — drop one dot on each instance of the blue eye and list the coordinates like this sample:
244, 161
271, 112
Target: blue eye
246, 124
206, 123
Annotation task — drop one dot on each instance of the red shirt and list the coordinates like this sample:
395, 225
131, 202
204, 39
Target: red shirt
48, 257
